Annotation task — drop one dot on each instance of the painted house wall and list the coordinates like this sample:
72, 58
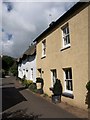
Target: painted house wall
25, 68
76, 57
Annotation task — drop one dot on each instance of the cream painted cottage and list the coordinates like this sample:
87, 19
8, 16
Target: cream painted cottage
63, 53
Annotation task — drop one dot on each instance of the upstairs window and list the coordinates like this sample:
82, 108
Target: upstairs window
66, 35
43, 48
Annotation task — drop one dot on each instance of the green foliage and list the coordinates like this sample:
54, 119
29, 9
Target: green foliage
13, 69
57, 88
33, 87
29, 84
7, 63
39, 80
88, 85
26, 83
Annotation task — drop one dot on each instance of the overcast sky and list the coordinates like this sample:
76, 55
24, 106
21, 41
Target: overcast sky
22, 22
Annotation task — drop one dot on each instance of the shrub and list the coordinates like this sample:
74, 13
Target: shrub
33, 87
39, 80
27, 83
57, 89
88, 85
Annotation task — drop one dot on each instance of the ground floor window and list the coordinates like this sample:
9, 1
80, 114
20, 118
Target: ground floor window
53, 76
68, 80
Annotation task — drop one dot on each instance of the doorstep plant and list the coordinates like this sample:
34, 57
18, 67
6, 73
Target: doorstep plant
88, 85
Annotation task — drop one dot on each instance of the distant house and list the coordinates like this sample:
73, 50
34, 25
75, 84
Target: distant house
27, 64
63, 53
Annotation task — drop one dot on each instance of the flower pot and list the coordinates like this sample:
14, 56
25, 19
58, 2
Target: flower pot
56, 99
39, 85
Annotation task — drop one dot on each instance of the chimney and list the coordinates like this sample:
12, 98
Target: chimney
52, 23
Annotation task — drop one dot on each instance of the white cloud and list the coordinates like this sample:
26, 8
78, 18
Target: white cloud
0, 27
25, 21
43, 0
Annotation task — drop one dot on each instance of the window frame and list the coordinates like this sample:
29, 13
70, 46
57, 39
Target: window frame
65, 36
52, 75
44, 48
69, 79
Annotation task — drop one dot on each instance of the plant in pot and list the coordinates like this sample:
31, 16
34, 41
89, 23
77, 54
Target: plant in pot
88, 94
39, 84
57, 91
88, 85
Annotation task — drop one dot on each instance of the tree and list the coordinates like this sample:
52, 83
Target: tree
7, 63
13, 69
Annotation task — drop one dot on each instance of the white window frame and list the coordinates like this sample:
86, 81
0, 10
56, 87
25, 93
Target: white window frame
65, 36
65, 88
53, 80
44, 48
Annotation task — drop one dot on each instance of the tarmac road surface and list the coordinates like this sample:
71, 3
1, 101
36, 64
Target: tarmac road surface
15, 97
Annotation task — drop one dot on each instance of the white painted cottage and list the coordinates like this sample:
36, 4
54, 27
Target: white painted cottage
27, 64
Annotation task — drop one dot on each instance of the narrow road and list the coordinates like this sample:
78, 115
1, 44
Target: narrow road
15, 98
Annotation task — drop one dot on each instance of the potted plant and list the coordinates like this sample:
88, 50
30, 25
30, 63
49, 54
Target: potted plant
39, 84
88, 94
57, 91
88, 85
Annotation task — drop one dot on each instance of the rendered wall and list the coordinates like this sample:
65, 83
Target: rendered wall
28, 65
76, 57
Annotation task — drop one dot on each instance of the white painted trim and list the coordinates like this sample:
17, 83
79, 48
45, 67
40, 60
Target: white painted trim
51, 78
66, 46
43, 55
69, 91
65, 90
63, 36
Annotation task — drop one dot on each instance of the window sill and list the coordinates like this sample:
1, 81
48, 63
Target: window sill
64, 48
43, 56
68, 95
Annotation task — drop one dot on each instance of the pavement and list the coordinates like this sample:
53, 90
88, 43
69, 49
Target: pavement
19, 101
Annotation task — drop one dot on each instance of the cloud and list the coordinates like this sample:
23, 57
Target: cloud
24, 21
44, 0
